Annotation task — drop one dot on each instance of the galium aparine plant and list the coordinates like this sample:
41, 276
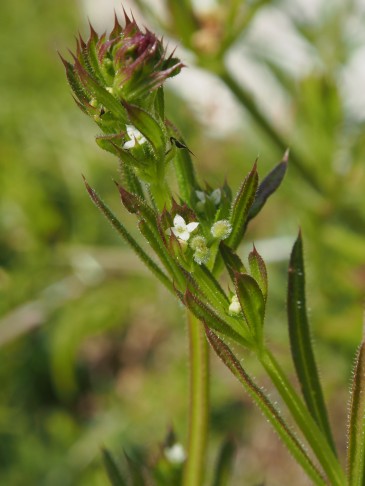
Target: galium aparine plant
117, 80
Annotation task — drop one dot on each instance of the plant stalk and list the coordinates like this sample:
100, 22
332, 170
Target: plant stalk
304, 420
199, 403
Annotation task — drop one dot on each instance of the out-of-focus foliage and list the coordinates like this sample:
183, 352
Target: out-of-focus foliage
87, 357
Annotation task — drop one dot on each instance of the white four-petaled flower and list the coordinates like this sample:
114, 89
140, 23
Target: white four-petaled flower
181, 229
135, 136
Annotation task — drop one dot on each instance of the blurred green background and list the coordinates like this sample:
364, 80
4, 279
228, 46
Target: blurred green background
93, 352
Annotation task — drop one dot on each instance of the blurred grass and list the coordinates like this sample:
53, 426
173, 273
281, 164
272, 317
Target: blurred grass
87, 358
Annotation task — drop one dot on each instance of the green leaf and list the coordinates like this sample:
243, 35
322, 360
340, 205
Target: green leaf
131, 180
92, 56
258, 271
268, 186
222, 475
211, 319
160, 250
356, 427
160, 103
136, 205
266, 406
118, 226
210, 287
101, 94
252, 303
183, 165
114, 475
301, 342
241, 206
75, 83
149, 127
231, 260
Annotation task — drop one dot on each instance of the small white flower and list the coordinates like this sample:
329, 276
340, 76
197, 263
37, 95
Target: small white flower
135, 136
221, 229
175, 454
234, 307
182, 230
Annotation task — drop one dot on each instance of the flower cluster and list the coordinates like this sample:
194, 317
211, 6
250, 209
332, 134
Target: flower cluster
128, 65
199, 244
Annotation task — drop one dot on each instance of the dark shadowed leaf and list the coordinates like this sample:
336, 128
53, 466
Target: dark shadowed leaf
223, 471
268, 186
114, 474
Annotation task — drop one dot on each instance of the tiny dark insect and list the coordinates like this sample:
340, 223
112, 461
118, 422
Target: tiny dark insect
180, 145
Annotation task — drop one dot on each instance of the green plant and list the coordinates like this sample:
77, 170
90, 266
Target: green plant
118, 81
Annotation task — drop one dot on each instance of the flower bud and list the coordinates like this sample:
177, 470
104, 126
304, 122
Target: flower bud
234, 308
221, 229
201, 251
129, 66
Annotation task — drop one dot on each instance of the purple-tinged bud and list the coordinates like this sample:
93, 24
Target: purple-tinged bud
127, 66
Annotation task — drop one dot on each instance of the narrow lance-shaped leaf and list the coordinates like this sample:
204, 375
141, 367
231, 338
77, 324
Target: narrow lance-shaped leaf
184, 168
131, 180
258, 270
356, 427
241, 207
160, 250
150, 264
222, 475
136, 205
301, 343
135, 472
211, 319
252, 304
114, 474
266, 406
268, 186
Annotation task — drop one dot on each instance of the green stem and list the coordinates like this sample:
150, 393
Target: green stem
199, 404
304, 420
161, 194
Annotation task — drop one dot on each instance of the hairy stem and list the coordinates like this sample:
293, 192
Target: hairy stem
199, 403
304, 420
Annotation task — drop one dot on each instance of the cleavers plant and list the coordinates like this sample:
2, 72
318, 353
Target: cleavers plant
118, 81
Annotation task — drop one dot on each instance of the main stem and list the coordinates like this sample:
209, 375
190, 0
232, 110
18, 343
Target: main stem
199, 403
